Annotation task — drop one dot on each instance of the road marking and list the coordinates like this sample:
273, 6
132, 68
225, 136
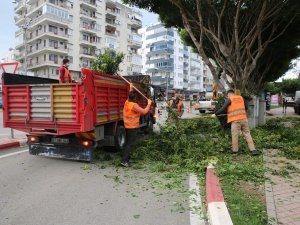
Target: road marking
14, 153
195, 202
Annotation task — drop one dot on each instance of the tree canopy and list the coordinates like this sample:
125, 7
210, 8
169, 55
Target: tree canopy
252, 41
108, 62
288, 86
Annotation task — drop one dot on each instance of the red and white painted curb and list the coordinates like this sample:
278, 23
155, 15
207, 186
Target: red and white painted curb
216, 208
9, 143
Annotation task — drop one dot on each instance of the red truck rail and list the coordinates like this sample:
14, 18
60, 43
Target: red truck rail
46, 107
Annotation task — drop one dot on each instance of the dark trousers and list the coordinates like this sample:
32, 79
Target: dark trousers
131, 136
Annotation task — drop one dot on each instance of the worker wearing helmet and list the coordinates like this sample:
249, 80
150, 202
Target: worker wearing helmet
237, 116
131, 116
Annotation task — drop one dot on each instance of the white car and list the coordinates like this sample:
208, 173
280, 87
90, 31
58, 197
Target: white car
205, 106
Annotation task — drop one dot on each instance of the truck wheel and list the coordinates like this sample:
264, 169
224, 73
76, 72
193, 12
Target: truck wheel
120, 138
201, 111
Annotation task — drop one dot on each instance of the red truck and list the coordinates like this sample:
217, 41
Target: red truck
71, 120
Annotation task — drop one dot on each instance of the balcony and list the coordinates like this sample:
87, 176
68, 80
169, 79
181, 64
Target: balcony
89, 4
111, 23
48, 48
34, 36
135, 59
110, 33
111, 13
89, 28
90, 54
88, 16
60, 4
43, 63
20, 20
50, 17
136, 24
135, 40
88, 42
19, 6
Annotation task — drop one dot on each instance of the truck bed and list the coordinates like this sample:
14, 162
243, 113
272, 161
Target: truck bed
42, 106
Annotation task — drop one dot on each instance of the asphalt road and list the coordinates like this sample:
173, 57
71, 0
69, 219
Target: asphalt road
37, 190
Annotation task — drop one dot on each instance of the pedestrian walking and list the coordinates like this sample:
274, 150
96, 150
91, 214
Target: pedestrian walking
237, 116
284, 103
131, 116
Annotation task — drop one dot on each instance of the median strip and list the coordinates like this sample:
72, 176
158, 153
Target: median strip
217, 210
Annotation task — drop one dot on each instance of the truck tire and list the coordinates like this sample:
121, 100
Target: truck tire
120, 138
202, 111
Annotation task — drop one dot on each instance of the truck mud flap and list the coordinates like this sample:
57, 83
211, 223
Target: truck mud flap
72, 152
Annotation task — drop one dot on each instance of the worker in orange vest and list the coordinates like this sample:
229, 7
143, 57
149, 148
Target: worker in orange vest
237, 116
131, 116
177, 105
64, 73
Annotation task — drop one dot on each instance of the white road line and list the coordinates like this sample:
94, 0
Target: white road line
195, 202
14, 153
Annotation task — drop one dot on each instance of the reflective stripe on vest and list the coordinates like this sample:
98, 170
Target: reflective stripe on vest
130, 117
236, 110
67, 76
179, 104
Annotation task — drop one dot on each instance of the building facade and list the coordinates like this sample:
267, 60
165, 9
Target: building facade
171, 64
79, 30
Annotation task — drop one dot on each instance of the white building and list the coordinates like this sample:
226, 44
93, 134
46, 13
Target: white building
78, 30
168, 60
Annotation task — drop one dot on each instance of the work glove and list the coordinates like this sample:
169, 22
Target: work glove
149, 101
213, 116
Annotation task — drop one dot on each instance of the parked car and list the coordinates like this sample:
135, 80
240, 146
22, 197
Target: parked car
205, 106
297, 103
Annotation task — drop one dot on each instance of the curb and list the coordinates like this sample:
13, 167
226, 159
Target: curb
216, 208
271, 208
9, 143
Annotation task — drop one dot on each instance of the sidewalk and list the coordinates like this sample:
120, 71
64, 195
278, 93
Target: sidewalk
282, 189
278, 112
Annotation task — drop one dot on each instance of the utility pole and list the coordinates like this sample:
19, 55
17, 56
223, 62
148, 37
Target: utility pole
25, 27
167, 88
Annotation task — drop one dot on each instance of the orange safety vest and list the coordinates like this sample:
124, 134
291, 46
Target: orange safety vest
236, 110
179, 105
131, 118
67, 76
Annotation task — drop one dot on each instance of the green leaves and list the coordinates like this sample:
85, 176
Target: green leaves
108, 62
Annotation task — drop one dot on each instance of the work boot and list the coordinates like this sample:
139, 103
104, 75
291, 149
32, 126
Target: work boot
254, 152
234, 152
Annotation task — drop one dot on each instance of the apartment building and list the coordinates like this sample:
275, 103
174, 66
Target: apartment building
170, 62
56, 29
